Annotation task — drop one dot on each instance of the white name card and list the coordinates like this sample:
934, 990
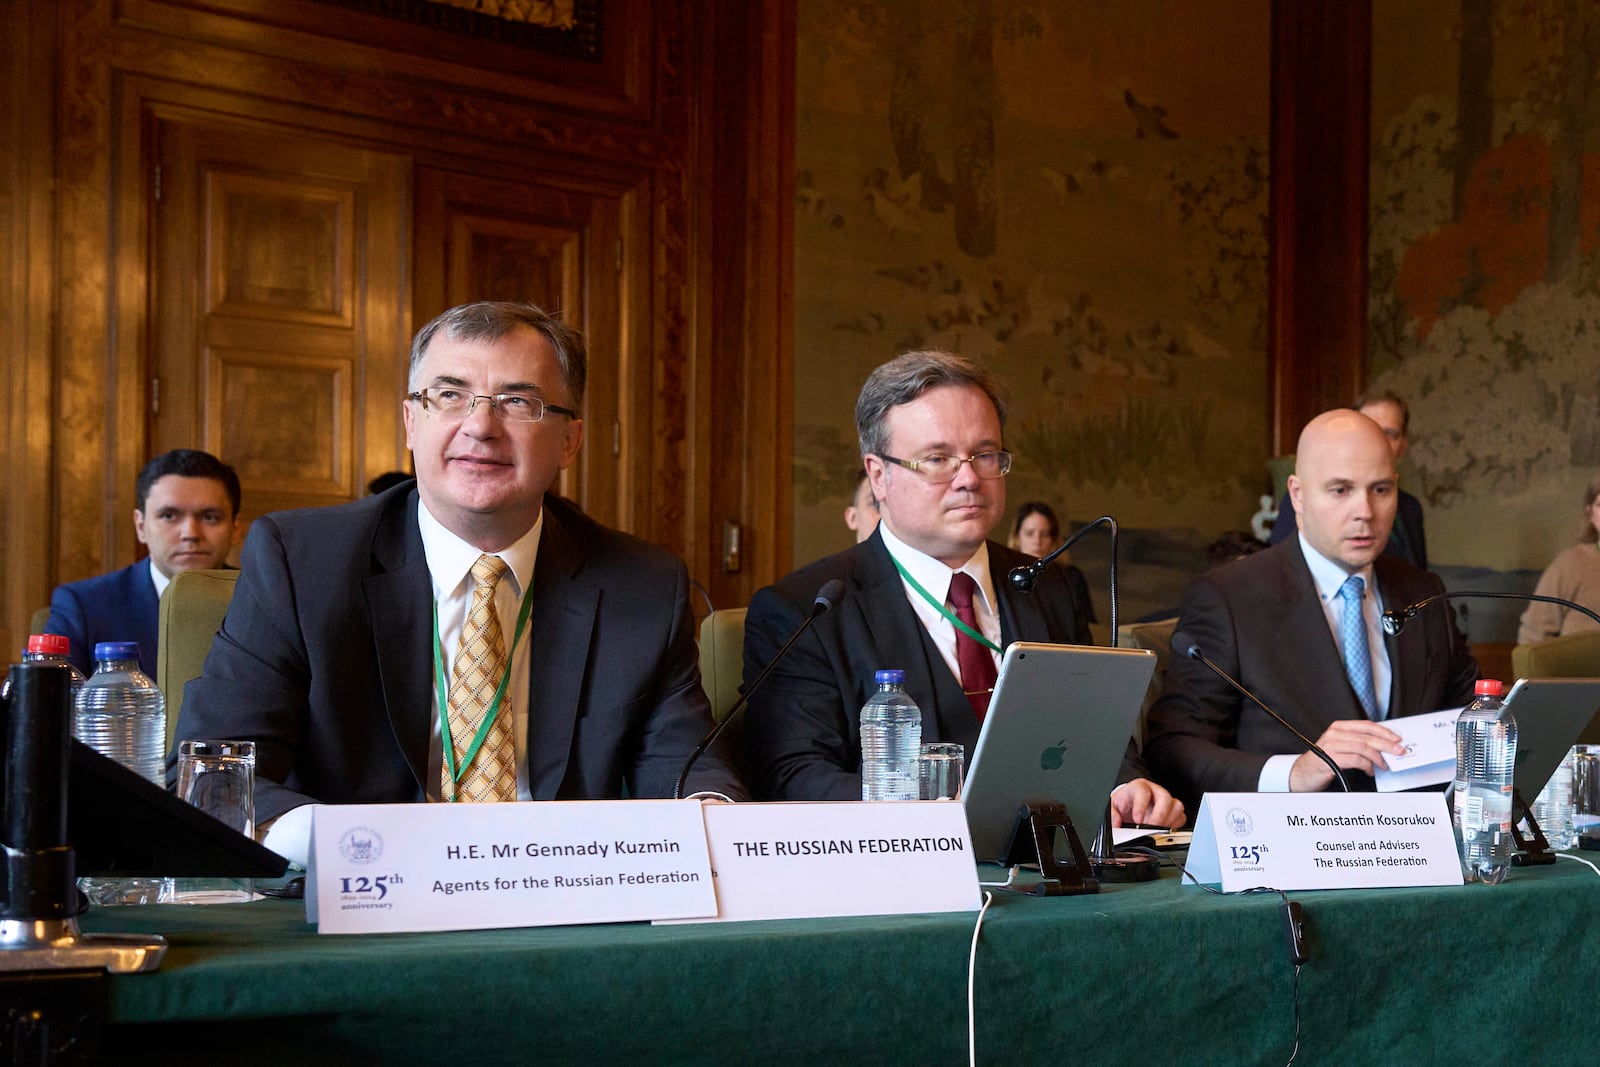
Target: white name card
1323, 841
787, 861
385, 868
1430, 757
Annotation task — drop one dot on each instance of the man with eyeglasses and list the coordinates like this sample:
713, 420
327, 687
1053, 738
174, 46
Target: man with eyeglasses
930, 426
468, 637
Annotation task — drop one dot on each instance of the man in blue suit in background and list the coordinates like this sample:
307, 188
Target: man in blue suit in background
187, 515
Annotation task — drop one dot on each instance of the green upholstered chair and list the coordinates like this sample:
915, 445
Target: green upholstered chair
722, 659
192, 607
1570, 656
721, 672
1157, 637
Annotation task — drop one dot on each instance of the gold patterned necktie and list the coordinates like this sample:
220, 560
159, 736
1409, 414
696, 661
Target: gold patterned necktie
480, 663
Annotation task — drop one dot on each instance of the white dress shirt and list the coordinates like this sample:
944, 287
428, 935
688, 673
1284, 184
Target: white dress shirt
1329, 577
935, 576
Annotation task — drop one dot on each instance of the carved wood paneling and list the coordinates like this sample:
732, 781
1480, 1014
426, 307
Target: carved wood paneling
624, 141
279, 250
618, 83
496, 238
90, 373
27, 242
284, 422
271, 337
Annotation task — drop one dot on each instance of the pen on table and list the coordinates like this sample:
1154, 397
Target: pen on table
1146, 826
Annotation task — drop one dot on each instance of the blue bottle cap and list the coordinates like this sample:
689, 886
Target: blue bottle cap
104, 650
891, 677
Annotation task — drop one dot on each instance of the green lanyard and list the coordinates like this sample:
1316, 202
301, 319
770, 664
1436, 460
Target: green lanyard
450, 766
942, 610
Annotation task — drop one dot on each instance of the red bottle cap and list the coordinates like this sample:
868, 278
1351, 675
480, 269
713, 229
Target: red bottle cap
1489, 687
49, 644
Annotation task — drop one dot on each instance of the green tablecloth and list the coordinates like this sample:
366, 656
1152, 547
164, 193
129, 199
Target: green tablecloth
1135, 974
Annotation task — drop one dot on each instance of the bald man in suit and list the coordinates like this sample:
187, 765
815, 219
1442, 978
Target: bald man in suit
1275, 621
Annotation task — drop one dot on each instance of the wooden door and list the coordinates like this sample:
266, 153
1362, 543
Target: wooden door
486, 238
279, 320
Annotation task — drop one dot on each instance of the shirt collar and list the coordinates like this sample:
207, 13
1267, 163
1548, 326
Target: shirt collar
450, 559
1329, 576
933, 575
161, 580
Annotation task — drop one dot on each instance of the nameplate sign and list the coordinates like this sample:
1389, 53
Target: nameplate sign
1323, 841
386, 868
787, 861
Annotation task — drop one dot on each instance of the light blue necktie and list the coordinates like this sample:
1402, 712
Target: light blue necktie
1353, 636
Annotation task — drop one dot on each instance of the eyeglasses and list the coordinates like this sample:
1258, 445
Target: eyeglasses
512, 407
939, 468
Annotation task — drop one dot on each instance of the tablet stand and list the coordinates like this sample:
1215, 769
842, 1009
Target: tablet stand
38, 918
1033, 842
1533, 850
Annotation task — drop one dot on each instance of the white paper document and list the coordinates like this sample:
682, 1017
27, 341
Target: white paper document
1430, 758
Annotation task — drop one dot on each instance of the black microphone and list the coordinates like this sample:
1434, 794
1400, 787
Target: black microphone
1395, 621
828, 597
1184, 645
1026, 576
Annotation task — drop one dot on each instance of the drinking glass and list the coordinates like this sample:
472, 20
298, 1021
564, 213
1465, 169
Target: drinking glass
219, 778
940, 768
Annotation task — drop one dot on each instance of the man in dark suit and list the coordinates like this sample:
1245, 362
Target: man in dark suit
1407, 538
930, 425
187, 515
1295, 624
353, 628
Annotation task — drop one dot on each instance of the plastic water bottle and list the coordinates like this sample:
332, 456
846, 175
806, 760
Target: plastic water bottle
51, 649
120, 713
1553, 809
891, 741
1486, 756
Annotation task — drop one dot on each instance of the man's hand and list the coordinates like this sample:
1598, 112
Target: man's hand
1142, 801
1354, 744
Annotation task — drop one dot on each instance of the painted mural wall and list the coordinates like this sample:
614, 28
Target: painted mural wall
1484, 307
1074, 192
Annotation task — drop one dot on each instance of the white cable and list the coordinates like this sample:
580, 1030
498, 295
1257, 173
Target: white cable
1578, 859
1011, 879
972, 967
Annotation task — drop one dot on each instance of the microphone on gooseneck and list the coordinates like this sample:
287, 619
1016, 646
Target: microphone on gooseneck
1184, 645
1395, 621
1026, 576
827, 599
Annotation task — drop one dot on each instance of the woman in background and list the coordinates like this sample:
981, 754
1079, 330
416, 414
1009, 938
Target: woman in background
1574, 575
1037, 532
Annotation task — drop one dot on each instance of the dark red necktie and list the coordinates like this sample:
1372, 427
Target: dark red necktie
977, 665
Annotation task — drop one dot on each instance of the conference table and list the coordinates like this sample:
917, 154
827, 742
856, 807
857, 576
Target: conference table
1148, 973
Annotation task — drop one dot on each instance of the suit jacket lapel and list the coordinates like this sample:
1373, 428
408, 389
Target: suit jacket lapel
560, 632
901, 641
1020, 616
1302, 629
400, 606
1407, 659
145, 611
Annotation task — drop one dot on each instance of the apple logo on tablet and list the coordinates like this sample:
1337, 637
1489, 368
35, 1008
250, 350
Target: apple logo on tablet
1050, 758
